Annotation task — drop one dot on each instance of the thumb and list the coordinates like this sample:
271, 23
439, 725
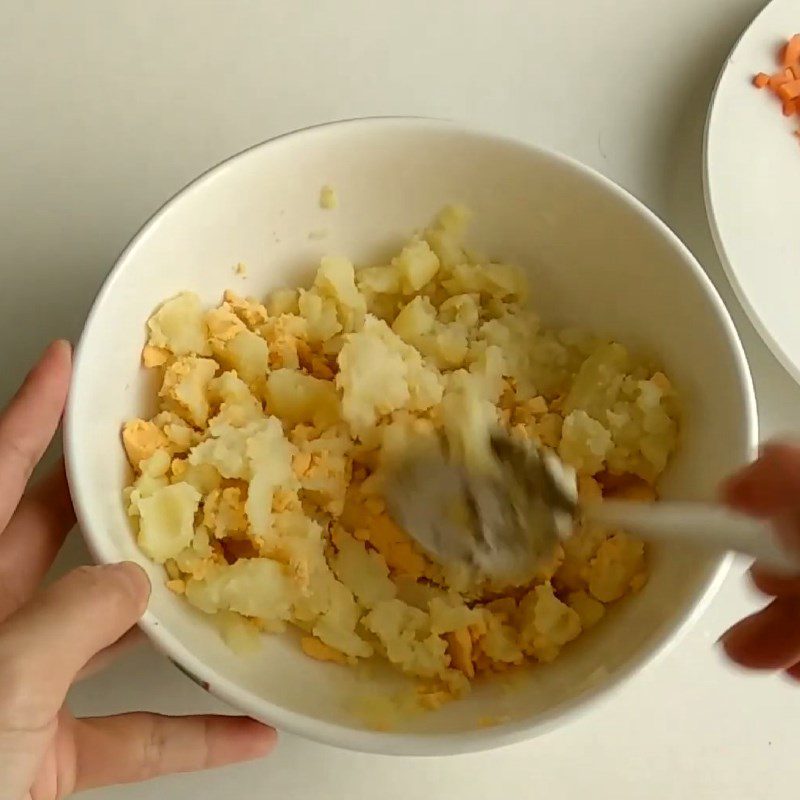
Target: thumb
47, 642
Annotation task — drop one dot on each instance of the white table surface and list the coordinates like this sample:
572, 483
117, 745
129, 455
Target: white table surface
108, 108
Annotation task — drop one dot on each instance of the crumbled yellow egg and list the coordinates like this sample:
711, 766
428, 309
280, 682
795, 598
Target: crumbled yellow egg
320, 651
224, 513
589, 610
258, 482
635, 489
434, 699
618, 563
500, 642
141, 439
185, 387
589, 490
548, 623
152, 476
182, 436
450, 614
493, 720
459, 646
397, 548
154, 356
223, 324
172, 569
248, 309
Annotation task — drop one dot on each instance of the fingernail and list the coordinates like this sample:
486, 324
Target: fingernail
134, 578
62, 344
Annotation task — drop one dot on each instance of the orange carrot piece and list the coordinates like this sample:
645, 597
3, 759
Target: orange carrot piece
785, 82
777, 80
789, 90
791, 53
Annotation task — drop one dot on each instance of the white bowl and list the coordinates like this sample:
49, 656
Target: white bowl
597, 258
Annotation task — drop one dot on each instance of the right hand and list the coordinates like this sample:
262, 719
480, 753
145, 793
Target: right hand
770, 489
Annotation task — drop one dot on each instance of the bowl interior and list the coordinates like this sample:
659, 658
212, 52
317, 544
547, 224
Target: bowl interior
596, 260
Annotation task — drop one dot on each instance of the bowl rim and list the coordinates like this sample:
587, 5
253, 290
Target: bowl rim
363, 740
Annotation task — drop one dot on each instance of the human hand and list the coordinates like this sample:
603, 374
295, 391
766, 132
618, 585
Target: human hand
770, 488
51, 637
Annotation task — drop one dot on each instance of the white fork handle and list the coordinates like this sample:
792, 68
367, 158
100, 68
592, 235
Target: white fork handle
705, 524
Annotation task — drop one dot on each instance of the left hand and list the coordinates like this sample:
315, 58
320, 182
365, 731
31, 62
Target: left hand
52, 637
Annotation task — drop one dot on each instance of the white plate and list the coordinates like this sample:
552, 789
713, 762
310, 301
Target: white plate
752, 184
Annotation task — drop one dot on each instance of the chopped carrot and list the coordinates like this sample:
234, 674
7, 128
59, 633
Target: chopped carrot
784, 83
789, 91
791, 53
777, 80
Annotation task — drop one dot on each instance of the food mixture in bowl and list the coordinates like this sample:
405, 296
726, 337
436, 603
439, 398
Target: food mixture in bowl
258, 483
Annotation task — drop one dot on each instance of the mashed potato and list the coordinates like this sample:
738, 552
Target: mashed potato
258, 483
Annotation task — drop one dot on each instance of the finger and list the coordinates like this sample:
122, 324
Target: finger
769, 485
98, 662
136, 747
48, 641
794, 671
773, 584
769, 639
33, 538
29, 422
